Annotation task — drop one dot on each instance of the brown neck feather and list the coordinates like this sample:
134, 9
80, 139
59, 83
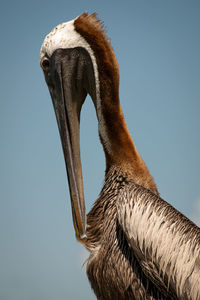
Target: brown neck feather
123, 152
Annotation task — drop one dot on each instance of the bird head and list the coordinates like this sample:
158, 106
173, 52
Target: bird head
77, 59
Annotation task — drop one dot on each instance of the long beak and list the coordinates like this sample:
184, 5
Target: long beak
66, 101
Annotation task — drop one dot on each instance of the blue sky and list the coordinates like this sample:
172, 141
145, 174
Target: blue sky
157, 45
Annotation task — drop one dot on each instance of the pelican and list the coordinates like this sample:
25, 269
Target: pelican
140, 246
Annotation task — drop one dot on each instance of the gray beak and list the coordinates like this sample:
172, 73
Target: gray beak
68, 95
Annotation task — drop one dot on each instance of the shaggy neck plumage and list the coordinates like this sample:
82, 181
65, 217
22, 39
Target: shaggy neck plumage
117, 143
112, 128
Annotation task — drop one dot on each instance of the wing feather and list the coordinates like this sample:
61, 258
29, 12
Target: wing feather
165, 242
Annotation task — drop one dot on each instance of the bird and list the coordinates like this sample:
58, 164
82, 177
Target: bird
140, 246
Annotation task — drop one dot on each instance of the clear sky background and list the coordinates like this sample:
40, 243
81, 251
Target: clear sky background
157, 44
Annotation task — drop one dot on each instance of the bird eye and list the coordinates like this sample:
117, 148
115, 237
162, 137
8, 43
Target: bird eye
45, 64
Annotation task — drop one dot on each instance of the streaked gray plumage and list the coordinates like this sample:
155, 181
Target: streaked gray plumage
132, 236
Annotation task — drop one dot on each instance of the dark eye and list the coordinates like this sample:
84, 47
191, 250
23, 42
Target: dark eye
45, 64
